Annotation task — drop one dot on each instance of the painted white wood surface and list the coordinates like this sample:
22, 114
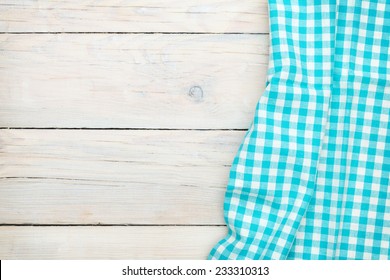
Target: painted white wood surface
117, 80
114, 176
69, 70
120, 242
133, 16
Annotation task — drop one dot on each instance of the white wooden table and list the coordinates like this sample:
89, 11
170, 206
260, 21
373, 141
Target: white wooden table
119, 121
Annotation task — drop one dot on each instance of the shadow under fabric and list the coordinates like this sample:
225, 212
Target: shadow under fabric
311, 178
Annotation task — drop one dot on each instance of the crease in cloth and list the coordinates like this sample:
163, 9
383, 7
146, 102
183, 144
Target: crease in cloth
310, 179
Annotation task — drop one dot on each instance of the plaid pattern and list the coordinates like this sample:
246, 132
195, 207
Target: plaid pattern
311, 178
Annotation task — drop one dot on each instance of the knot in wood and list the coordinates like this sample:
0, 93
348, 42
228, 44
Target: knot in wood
196, 92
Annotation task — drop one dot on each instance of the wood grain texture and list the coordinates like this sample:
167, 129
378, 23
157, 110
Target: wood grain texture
145, 81
134, 64
134, 16
151, 242
114, 176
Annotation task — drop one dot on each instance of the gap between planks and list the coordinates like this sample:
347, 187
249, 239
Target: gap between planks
124, 128
137, 33
113, 225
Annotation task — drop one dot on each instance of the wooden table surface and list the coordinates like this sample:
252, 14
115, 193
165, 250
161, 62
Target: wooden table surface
119, 122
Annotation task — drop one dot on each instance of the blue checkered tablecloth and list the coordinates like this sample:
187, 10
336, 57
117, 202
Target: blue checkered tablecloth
311, 178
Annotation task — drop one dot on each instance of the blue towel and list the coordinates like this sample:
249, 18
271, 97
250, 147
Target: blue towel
311, 178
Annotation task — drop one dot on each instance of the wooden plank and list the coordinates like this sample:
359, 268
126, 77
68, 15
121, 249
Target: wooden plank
144, 81
134, 16
114, 176
132, 242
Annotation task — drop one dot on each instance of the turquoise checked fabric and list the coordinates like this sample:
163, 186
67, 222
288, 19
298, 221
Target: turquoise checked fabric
311, 177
